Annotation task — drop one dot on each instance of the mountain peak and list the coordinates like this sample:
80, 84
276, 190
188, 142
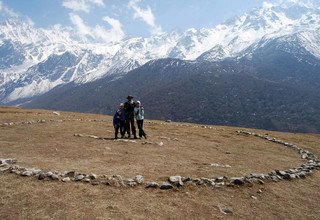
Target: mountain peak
93, 60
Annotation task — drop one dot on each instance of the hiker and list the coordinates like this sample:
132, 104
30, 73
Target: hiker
119, 121
139, 113
129, 108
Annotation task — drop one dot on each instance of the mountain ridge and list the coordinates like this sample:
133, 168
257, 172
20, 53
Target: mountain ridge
224, 41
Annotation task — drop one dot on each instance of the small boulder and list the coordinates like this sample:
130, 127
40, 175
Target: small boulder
95, 182
186, 179
93, 176
302, 174
281, 173
54, 177
2, 170
226, 210
66, 179
49, 174
36, 171
56, 113
86, 180
198, 181
42, 176
71, 174
237, 181
152, 185
138, 179
9, 161
289, 176
26, 173
220, 179
79, 177
166, 186
176, 180
131, 183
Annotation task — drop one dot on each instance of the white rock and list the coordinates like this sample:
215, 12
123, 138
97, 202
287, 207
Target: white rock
66, 179
152, 185
56, 113
138, 179
26, 173
177, 180
79, 177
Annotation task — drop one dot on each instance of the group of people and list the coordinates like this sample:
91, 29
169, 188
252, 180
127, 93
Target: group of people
125, 116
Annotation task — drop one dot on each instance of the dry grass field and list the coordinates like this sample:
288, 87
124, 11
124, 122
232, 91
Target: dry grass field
188, 150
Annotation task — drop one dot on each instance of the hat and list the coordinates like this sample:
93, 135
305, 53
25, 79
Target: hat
130, 97
121, 105
138, 102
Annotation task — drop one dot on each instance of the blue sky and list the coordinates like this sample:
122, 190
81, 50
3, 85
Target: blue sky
128, 17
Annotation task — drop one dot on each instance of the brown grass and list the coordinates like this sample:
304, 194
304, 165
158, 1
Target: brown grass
52, 145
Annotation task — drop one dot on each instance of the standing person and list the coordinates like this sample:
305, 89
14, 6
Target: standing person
129, 108
139, 113
119, 122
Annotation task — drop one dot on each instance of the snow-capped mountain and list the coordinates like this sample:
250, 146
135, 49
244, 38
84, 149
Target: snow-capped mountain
35, 60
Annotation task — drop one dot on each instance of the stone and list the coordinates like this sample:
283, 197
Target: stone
226, 210
138, 179
176, 180
217, 185
56, 113
258, 175
9, 161
259, 191
302, 174
289, 176
93, 176
199, 181
66, 179
207, 181
79, 177
281, 173
86, 180
153, 185
118, 180
166, 186
113, 182
186, 179
131, 183
49, 174
95, 182
70, 174
237, 181
26, 173
4, 169
54, 177
220, 179
42, 176
36, 171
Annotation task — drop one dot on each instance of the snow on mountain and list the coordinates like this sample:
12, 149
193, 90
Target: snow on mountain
35, 60
270, 21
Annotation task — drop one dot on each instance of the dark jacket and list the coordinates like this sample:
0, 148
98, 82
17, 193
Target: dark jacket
129, 108
119, 117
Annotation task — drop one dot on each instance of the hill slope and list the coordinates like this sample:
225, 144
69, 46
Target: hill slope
233, 92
